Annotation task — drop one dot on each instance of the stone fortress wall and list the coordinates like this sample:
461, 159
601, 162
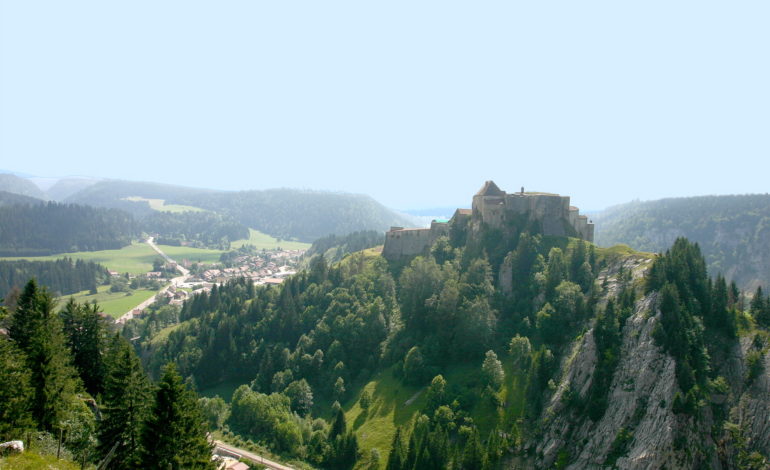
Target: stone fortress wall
493, 207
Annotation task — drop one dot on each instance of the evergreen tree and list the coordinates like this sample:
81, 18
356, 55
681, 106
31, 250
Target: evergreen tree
126, 394
15, 391
174, 435
492, 369
339, 427
37, 331
397, 452
760, 308
473, 456
85, 333
436, 395
412, 451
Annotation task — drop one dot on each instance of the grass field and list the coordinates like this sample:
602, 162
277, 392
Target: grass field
194, 255
31, 460
136, 258
160, 205
263, 240
376, 426
114, 304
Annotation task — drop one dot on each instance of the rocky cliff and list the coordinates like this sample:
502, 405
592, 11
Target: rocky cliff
640, 428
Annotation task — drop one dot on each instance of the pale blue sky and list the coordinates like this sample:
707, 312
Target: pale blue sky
413, 102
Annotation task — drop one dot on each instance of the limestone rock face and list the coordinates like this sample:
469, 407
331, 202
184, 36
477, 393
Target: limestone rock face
639, 430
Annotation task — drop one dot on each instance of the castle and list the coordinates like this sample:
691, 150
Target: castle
494, 208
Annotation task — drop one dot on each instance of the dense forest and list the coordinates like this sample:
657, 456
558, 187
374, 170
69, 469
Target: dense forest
50, 228
9, 199
44, 229
732, 231
201, 228
62, 276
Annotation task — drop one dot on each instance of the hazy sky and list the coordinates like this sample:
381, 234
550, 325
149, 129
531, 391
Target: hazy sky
413, 102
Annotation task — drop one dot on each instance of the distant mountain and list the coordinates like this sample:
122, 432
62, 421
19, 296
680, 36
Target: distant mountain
732, 231
113, 194
301, 214
14, 184
284, 213
66, 187
7, 199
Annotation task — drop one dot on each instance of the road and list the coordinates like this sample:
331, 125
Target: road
174, 282
251, 456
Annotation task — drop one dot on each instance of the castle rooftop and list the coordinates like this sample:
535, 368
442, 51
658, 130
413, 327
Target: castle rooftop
490, 189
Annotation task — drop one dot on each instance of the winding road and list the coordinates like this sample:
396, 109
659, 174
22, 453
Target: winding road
174, 282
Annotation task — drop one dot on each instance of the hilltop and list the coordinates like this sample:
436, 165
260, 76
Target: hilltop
512, 347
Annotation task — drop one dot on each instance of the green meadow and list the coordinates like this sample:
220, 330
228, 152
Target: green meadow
264, 241
136, 258
114, 304
160, 205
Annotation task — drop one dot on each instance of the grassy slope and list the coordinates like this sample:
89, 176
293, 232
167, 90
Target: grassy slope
264, 241
32, 461
160, 205
114, 304
375, 427
136, 258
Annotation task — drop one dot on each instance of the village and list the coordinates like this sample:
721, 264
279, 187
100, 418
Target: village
185, 279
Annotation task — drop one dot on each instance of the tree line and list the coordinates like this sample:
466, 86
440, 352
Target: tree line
62, 276
45, 229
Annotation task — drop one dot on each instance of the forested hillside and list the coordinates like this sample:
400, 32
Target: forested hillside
63, 276
732, 231
302, 215
7, 199
283, 213
523, 343
44, 229
196, 228
113, 193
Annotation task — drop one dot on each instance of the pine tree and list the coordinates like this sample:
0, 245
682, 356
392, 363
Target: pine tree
473, 457
126, 394
174, 435
85, 332
15, 391
397, 452
760, 308
339, 427
37, 331
412, 452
